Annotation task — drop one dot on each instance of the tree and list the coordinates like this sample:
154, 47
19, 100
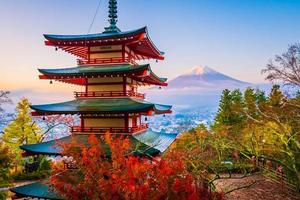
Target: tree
230, 116
286, 67
123, 175
22, 130
5, 161
54, 126
4, 99
278, 131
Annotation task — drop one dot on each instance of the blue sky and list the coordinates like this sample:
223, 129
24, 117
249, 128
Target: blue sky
236, 37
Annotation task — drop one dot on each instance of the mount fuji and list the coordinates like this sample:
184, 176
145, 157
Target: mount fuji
197, 87
205, 79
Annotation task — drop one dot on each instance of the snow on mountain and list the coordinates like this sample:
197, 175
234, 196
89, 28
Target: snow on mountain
205, 78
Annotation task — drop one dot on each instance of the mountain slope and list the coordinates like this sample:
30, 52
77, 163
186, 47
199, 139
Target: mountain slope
205, 78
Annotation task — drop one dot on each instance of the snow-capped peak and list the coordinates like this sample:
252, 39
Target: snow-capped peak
199, 70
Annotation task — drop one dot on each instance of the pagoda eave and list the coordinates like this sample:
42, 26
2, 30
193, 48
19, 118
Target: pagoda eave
78, 45
78, 75
101, 106
150, 142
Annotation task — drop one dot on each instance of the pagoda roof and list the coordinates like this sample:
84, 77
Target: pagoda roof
40, 190
101, 105
95, 36
77, 75
147, 143
137, 40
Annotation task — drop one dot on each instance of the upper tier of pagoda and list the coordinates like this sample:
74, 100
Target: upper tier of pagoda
126, 46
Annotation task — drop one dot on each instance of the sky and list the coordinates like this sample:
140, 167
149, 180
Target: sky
235, 37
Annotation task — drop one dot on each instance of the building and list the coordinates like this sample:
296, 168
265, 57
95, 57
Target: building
108, 70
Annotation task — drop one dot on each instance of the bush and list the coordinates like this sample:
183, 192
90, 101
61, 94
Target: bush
226, 168
3, 195
31, 176
45, 165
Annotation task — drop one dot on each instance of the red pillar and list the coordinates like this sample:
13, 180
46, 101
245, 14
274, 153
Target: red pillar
126, 122
124, 85
81, 122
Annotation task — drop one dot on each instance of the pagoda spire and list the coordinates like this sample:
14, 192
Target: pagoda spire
112, 16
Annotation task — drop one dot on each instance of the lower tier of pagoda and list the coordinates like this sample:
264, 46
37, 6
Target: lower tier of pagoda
148, 142
36, 190
145, 143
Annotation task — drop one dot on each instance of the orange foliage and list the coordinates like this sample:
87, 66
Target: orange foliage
125, 176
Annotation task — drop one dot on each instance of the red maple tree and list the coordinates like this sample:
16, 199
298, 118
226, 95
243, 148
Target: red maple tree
123, 175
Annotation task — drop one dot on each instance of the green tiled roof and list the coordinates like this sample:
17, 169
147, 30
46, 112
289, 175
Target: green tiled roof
158, 140
105, 35
36, 190
101, 36
147, 142
103, 105
95, 69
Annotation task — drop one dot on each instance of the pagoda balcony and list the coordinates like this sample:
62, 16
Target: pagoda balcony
109, 94
112, 130
112, 60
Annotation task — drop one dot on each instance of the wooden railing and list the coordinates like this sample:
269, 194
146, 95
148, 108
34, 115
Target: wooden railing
70, 165
95, 130
109, 94
113, 60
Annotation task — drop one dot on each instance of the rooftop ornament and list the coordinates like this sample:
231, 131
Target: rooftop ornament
112, 17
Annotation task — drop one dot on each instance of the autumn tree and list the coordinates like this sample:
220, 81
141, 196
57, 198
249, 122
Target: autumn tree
6, 158
54, 126
123, 175
286, 67
22, 130
276, 128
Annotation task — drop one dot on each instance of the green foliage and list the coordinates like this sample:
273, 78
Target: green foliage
3, 195
22, 130
230, 115
20, 176
261, 126
45, 165
246, 125
5, 162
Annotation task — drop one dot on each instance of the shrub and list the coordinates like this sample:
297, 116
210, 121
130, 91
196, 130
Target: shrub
45, 165
31, 176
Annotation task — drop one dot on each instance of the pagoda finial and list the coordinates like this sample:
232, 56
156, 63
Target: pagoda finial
112, 16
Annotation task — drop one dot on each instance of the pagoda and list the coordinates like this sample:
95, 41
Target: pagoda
108, 70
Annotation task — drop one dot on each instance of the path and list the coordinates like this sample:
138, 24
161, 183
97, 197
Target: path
258, 187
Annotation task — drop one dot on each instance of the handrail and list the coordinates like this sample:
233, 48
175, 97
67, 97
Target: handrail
105, 61
76, 129
127, 93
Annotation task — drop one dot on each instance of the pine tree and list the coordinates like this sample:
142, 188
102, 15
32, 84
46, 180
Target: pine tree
230, 114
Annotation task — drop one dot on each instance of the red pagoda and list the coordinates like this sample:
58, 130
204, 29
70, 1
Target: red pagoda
108, 69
